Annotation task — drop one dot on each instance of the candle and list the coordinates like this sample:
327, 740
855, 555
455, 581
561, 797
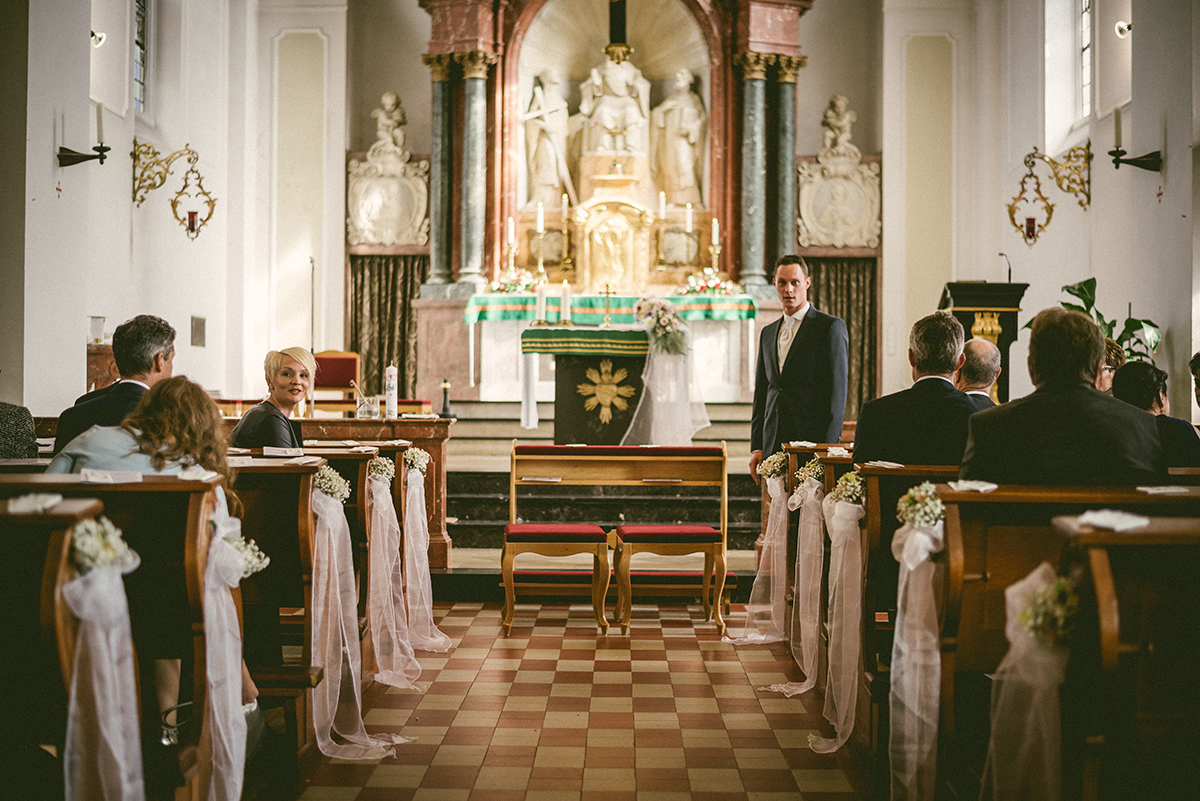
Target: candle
100, 123
716, 232
565, 312
566, 206
541, 218
540, 313
662, 205
1117, 128
390, 381
688, 219
512, 231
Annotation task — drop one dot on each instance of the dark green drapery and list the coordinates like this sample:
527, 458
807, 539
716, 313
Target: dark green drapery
383, 327
846, 288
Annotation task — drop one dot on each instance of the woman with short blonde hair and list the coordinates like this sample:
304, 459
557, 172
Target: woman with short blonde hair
289, 374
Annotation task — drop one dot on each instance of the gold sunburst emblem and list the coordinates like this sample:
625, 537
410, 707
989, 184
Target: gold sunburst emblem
606, 390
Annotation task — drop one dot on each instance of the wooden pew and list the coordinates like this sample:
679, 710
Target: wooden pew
21, 466
1131, 688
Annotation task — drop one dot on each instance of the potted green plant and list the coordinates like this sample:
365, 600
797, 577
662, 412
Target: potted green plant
1138, 337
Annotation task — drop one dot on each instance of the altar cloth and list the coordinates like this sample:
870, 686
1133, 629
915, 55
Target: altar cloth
589, 309
589, 340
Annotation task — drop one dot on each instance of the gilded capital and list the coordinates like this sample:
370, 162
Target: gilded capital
439, 65
789, 66
475, 63
754, 65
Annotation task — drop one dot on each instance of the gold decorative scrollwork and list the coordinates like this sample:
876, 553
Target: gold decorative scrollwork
190, 223
150, 172
986, 326
1073, 174
1030, 229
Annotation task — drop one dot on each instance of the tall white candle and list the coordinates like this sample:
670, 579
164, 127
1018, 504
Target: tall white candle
512, 231
541, 217
716, 232
100, 123
662, 205
687, 226
566, 302
390, 381
1117, 128
540, 312
566, 207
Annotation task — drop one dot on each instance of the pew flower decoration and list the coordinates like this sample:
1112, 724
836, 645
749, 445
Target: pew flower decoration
920, 507
329, 482
416, 459
1049, 613
709, 283
379, 466
666, 328
253, 559
811, 470
849, 489
97, 544
774, 466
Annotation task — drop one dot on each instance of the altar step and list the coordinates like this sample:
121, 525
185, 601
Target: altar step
477, 507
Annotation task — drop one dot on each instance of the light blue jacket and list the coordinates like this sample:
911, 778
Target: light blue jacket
104, 448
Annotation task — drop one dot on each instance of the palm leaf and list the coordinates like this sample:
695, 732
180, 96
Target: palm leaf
1085, 291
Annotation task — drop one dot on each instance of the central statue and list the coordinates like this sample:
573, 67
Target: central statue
615, 109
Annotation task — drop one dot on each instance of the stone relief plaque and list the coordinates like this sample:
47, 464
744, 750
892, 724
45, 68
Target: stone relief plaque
839, 198
387, 196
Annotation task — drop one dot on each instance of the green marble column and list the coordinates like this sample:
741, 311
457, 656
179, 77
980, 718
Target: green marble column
441, 171
785, 156
754, 170
475, 66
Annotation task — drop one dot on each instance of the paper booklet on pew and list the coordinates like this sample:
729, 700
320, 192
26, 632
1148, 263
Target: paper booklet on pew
972, 486
231, 450
91, 476
838, 451
1113, 520
239, 461
197, 473
884, 464
545, 479
1164, 490
304, 460
269, 451
364, 449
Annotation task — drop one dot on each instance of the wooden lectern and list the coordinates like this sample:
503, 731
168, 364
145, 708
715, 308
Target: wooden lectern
988, 311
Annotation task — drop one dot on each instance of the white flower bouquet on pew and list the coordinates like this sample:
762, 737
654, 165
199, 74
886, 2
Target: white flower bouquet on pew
920, 506
814, 469
416, 459
849, 488
1049, 613
253, 559
380, 466
97, 544
328, 481
774, 466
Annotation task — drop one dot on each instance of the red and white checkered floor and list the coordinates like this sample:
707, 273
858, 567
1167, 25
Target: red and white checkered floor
558, 711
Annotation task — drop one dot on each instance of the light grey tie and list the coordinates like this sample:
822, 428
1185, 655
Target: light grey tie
787, 330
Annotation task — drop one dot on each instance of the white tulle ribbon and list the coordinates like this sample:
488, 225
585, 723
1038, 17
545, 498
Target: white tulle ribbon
337, 700
422, 633
224, 731
671, 409
766, 611
845, 621
1025, 752
386, 612
103, 755
915, 688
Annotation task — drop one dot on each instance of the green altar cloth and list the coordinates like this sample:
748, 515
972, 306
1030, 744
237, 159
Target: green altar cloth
589, 309
585, 341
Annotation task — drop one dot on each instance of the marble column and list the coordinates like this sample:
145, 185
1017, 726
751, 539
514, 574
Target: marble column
785, 155
441, 171
754, 168
475, 64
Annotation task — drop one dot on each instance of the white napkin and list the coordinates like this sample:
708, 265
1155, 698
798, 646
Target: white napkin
1164, 490
90, 476
1113, 520
309, 442
838, 450
882, 463
364, 449
304, 460
397, 442
802, 443
350, 442
972, 486
239, 461
233, 450
33, 504
197, 473
269, 451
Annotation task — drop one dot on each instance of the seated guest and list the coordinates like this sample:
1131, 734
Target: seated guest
289, 374
144, 350
1066, 431
1194, 367
1114, 358
981, 368
17, 440
927, 423
1145, 386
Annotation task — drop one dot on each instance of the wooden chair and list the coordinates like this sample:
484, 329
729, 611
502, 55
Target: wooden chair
335, 370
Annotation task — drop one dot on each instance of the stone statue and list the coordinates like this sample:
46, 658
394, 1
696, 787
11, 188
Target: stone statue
837, 121
546, 142
389, 120
615, 107
677, 142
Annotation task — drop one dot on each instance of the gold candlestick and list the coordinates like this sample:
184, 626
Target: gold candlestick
607, 318
714, 252
567, 264
541, 273
510, 250
662, 263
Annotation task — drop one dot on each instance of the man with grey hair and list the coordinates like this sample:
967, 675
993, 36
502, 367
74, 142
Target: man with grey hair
144, 350
927, 423
981, 368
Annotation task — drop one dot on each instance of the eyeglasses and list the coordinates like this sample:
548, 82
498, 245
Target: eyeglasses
1107, 369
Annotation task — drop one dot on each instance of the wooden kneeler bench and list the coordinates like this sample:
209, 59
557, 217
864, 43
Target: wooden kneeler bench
648, 583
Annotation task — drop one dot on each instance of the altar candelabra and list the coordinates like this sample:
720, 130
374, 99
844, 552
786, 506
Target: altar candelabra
567, 264
541, 271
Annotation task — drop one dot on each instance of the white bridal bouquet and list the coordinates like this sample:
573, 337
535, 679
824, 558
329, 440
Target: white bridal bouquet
666, 327
416, 459
920, 506
98, 544
332, 484
380, 466
774, 466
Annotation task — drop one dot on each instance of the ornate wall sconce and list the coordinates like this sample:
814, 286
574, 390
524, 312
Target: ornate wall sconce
67, 156
1072, 175
150, 172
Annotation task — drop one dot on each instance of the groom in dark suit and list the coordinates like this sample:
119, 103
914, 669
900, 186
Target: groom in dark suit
806, 398
144, 350
927, 423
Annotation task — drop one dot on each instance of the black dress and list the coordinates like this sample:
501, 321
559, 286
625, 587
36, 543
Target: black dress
264, 426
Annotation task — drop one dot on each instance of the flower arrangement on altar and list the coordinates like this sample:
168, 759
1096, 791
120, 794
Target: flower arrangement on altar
709, 283
666, 327
1049, 613
920, 506
97, 544
329, 482
513, 282
849, 489
416, 459
253, 559
813, 469
774, 466
380, 466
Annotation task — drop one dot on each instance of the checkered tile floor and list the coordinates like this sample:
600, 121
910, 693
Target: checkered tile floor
557, 711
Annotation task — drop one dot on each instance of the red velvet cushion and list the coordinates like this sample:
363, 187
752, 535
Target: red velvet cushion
554, 532
612, 450
636, 577
668, 533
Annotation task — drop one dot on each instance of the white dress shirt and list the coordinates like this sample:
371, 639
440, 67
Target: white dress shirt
789, 326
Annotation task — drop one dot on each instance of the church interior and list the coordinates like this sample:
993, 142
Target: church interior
440, 186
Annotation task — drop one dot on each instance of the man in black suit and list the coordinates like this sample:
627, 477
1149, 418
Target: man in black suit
806, 398
981, 368
926, 423
144, 350
1066, 431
